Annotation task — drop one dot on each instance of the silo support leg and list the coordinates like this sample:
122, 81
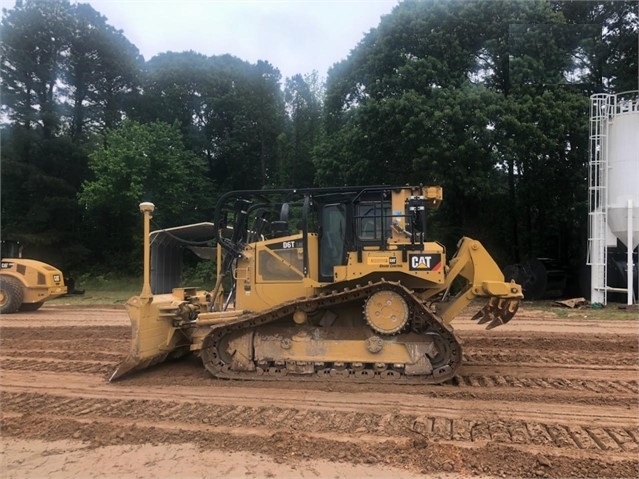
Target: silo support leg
630, 274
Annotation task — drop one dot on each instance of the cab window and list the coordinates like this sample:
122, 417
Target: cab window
372, 221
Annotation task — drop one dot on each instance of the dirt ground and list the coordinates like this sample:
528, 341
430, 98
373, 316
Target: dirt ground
539, 397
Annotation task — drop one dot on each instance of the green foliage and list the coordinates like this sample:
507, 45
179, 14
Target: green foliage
64, 68
62, 71
34, 36
39, 180
202, 274
140, 163
303, 132
488, 98
102, 70
608, 42
229, 111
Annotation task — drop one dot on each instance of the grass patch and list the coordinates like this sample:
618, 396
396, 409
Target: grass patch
100, 291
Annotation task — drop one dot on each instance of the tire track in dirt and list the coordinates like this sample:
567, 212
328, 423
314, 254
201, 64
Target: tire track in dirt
64, 354
617, 379
53, 365
488, 356
617, 431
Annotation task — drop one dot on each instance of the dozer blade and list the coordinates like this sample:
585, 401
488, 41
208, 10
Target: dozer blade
134, 363
152, 339
497, 311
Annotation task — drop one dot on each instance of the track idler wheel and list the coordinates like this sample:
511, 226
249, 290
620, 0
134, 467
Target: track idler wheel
497, 311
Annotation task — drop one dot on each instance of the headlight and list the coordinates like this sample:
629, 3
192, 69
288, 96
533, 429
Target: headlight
56, 278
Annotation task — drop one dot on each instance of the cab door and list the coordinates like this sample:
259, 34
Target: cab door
332, 239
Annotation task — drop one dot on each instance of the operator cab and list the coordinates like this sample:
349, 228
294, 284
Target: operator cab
343, 220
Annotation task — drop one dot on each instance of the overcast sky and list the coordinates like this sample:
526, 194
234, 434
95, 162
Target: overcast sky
295, 36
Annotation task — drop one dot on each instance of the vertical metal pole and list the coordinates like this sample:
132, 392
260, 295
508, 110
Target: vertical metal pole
147, 208
629, 243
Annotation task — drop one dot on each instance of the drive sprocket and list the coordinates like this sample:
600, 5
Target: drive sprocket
386, 312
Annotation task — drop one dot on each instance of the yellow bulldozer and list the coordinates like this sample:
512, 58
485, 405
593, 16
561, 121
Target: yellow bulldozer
315, 284
25, 284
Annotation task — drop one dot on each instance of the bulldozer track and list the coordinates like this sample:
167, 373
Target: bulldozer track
423, 321
540, 393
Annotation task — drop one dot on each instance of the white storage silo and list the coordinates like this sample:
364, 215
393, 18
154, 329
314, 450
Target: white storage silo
613, 186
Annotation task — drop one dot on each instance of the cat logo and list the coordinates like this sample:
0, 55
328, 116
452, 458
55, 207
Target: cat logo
424, 262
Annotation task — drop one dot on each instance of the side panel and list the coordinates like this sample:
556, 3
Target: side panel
274, 272
427, 265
